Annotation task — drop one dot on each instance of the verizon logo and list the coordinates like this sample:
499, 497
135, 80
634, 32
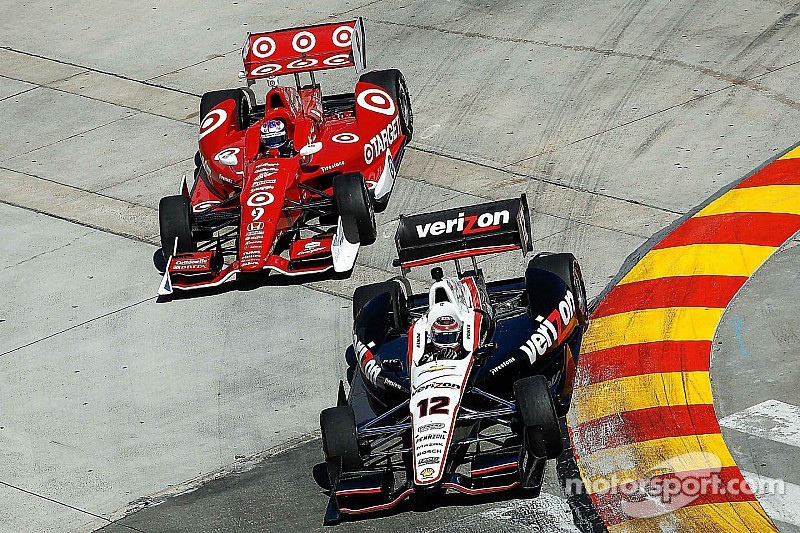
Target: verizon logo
465, 225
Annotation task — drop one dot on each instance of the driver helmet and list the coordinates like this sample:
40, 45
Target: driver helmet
273, 134
446, 333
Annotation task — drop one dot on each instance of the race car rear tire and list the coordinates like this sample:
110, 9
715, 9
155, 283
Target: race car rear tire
175, 221
393, 82
566, 267
339, 440
354, 204
245, 99
538, 413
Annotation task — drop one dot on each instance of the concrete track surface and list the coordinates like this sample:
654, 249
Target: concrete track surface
616, 118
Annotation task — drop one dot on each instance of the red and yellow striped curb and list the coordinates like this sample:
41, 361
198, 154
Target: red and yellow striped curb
642, 409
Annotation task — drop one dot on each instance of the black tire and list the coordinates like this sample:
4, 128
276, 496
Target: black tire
538, 413
245, 100
566, 267
354, 204
399, 307
339, 440
175, 221
393, 82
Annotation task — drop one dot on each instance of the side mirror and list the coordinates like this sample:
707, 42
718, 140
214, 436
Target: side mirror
228, 159
484, 350
310, 149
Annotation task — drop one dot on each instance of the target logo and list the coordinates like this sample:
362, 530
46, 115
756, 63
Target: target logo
213, 120
304, 41
204, 206
264, 47
376, 100
265, 70
302, 63
337, 60
342, 36
345, 138
260, 199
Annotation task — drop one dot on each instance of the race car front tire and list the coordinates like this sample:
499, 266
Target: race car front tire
339, 440
538, 414
354, 204
393, 82
245, 99
399, 310
566, 267
174, 219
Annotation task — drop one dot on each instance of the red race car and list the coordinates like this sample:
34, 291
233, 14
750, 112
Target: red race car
291, 184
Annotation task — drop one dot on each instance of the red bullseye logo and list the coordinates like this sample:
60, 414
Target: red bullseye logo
337, 60
265, 70
264, 47
342, 36
213, 120
260, 198
302, 63
377, 101
345, 138
304, 41
203, 206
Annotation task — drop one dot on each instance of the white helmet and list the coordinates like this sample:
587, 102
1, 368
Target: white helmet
273, 134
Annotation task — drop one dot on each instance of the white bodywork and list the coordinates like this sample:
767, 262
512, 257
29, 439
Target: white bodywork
343, 251
437, 385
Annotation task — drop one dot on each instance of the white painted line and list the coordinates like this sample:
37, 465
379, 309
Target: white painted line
771, 420
544, 513
778, 498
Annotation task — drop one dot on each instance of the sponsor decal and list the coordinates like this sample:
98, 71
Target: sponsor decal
345, 138
435, 385
382, 140
466, 225
255, 226
369, 366
429, 452
429, 461
342, 36
198, 263
303, 41
302, 63
265, 70
204, 206
501, 366
428, 472
430, 444
337, 60
391, 383
437, 368
430, 436
550, 329
310, 248
326, 168
428, 427
263, 47
376, 100
214, 119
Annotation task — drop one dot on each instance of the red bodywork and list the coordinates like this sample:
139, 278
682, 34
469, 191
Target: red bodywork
273, 196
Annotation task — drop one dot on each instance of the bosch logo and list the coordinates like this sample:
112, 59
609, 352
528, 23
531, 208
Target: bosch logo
465, 225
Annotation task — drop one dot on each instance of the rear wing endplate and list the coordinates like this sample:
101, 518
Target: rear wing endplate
309, 48
480, 229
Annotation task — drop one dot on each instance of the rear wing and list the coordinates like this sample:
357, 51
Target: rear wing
295, 50
463, 232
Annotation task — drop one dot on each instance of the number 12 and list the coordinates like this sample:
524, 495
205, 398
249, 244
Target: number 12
438, 406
